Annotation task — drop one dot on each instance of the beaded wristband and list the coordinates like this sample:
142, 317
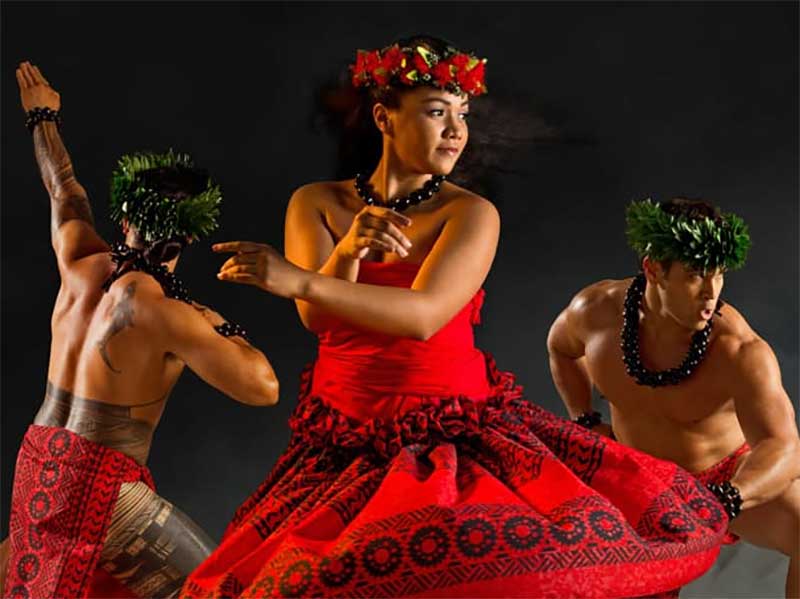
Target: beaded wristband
729, 496
36, 115
228, 329
589, 419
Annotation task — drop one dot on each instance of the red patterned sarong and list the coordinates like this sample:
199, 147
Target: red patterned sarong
418, 469
65, 489
719, 473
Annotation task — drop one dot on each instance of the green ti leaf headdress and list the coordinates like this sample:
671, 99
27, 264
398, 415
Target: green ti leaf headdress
154, 213
702, 243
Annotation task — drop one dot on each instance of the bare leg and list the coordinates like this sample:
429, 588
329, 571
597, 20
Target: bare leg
776, 525
152, 546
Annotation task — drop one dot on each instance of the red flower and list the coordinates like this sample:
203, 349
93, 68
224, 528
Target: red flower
405, 75
392, 59
460, 60
420, 64
441, 73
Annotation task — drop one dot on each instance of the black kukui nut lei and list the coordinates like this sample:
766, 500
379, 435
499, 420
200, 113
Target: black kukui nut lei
128, 259
729, 496
400, 204
630, 344
589, 419
38, 114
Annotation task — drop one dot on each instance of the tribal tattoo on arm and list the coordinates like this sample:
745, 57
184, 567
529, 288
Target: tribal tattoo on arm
68, 199
121, 317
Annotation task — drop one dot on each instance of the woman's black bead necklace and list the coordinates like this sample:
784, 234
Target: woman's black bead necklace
630, 344
425, 192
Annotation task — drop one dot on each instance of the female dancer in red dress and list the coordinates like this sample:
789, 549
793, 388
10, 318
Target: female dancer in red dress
415, 466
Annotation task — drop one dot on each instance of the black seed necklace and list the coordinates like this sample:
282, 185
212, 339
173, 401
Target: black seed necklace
630, 344
425, 192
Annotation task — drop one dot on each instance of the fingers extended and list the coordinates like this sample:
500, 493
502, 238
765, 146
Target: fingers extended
39, 77
389, 214
21, 80
238, 278
251, 258
26, 74
240, 268
237, 246
390, 241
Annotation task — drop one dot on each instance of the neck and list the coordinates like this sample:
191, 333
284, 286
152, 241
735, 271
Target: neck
392, 178
657, 323
132, 242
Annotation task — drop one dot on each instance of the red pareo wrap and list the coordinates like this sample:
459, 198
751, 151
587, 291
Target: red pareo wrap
418, 469
65, 489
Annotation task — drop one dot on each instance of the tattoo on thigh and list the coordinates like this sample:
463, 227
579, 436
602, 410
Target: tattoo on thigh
121, 317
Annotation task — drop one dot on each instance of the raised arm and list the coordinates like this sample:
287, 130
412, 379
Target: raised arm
229, 364
767, 419
72, 225
451, 274
309, 244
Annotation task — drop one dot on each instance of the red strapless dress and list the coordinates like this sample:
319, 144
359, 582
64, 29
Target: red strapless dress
418, 469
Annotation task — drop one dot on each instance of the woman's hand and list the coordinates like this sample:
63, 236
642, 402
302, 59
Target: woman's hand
260, 265
375, 228
34, 90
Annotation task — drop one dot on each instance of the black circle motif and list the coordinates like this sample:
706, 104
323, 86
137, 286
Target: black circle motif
337, 570
35, 537
476, 537
264, 586
676, 522
20, 592
382, 556
28, 567
39, 505
569, 530
708, 511
429, 546
48, 475
522, 532
296, 579
59, 443
606, 525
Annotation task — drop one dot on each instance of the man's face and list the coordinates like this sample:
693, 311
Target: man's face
689, 295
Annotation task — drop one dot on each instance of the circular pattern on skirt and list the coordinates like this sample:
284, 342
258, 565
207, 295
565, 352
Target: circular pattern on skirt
20, 592
34, 537
606, 525
28, 567
337, 570
48, 475
569, 530
476, 537
39, 505
296, 579
522, 532
675, 522
429, 546
382, 556
59, 443
708, 511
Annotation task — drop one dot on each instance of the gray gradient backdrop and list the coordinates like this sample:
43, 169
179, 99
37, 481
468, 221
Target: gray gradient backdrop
696, 99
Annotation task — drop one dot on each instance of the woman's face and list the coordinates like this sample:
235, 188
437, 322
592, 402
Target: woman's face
428, 131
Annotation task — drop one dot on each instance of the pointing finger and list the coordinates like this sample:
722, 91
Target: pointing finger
238, 246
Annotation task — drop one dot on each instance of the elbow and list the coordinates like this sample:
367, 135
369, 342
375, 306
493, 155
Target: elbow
267, 390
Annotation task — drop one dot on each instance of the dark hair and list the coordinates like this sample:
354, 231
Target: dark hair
176, 183
496, 129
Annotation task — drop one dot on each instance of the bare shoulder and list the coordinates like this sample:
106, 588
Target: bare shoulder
462, 202
320, 195
146, 298
600, 303
738, 344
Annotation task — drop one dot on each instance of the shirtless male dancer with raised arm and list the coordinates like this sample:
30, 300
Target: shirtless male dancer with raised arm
123, 328
685, 376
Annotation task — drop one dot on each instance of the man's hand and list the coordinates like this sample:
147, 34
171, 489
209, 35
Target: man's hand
34, 90
260, 265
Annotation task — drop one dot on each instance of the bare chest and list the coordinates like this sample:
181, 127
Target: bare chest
689, 403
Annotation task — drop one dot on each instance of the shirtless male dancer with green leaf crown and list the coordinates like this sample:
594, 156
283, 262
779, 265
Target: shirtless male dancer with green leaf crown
123, 328
685, 376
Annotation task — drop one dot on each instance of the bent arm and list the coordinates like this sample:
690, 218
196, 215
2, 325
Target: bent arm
766, 416
452, 273
229, 364
566, 349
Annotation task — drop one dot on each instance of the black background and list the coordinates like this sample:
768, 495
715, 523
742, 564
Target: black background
697, 99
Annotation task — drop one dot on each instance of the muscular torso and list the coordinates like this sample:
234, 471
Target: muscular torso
693, 423
108, 376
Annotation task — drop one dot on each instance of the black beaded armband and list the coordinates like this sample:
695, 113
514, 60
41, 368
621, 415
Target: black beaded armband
36, 115
228, 329
729, 496
589, 419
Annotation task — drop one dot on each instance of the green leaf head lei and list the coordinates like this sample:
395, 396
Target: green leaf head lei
164, 196
683, 231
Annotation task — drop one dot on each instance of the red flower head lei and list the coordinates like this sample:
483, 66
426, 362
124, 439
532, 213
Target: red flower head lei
455, 71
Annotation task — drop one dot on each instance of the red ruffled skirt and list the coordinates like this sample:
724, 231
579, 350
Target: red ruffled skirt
457, 497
